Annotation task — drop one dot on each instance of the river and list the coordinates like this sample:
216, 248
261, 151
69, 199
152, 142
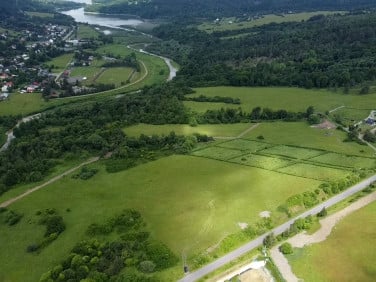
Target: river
115, 22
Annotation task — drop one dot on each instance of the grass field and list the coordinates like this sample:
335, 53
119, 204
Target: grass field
225, 130
292, 152
157, 69
345, 160
348, 254
89, 72
314, 172
40, 15
283, 98
188, 211
60, 63
86, 32
115, 76
300, 134
22, 104
234, 24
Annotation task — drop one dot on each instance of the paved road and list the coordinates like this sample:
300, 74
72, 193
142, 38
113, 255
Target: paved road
278, 230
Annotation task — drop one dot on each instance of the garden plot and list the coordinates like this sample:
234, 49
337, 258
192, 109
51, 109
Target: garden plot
345, 160
292, 152
242, 144
315, 172
270, 163
218, 153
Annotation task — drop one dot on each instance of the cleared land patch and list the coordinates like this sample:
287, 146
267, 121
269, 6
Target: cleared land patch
292, 152
187, 194
348, 254
345, 160
234, 24
260, 161
282, 98
242, 144
59, 64
116, 76
314, 172
226, 130
300, 134
218, 153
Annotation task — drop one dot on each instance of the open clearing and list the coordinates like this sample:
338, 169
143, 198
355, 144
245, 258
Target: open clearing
282, 98
233, 24
301, 135
190, 211
60, 63
348, 254
116, 76
227, 130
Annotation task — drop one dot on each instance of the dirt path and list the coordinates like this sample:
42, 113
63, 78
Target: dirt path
240, 135
248, 130
15, 199
97, 75
302, 239
331, 111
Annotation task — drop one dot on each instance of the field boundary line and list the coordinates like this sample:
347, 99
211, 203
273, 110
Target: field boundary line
32, 190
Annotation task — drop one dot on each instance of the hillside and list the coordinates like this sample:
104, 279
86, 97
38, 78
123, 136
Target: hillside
188, 9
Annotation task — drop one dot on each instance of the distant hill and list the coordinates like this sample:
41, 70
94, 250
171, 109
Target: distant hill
221, 8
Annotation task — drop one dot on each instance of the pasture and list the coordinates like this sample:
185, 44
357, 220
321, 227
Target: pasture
60, 63
225, 130
236, 24
302, 135
348, 254
287, 98
189, 203
156, 68
86, 32
22, 104
118, 76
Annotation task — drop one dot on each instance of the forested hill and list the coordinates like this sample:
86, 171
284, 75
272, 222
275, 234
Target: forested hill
333, 51
189, 9
10, 8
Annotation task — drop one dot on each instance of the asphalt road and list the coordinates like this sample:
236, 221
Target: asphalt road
278, 230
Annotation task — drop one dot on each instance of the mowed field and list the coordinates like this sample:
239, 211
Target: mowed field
214, 130
234, 24
291, 99
189, 203
60, 63
348, 254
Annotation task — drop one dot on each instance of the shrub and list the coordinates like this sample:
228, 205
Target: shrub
286, 248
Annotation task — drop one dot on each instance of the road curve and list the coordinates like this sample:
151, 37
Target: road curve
278, 230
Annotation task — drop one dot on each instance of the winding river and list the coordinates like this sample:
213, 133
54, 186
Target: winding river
114, 22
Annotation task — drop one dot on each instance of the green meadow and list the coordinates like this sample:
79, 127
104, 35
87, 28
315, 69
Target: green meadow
235, 24
189, 203
60, 63
302, 135
86, 32
225, 130
348, 254
291, 99
117, 76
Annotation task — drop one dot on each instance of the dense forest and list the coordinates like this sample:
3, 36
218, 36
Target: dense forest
189, 9
324, 51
